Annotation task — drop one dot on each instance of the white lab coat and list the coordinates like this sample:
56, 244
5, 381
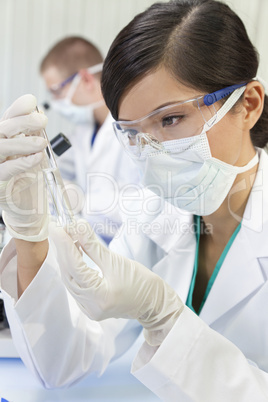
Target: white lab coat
217, 357
100, 172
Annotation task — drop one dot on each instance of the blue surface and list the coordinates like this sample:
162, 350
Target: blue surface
17, 384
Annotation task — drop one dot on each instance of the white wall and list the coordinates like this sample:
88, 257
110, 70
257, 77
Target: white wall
28, 28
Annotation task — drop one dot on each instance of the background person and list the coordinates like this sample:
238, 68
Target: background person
72, 72
204, 330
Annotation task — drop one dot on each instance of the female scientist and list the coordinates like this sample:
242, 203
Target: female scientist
180, 82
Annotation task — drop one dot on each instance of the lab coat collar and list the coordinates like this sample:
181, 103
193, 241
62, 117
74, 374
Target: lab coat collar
239, 277
244, 261
107, 128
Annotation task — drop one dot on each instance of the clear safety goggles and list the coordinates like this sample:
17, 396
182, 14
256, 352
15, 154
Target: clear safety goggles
56, 89
172, 122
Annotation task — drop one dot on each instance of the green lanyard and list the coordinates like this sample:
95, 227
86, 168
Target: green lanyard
217, 268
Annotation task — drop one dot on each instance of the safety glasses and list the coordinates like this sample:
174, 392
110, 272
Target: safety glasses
172, 122
56, 89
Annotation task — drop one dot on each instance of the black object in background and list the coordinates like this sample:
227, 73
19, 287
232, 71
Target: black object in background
3, 318
60, 144
46, 105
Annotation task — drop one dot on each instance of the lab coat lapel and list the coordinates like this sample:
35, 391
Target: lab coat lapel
239, 276
242, 273
177, 239
101, 142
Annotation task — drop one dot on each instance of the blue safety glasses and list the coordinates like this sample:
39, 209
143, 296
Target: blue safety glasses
57, 88
213, 97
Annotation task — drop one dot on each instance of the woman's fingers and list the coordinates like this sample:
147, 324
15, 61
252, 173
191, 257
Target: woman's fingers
21, 146
25, 104
13, 167
27, 124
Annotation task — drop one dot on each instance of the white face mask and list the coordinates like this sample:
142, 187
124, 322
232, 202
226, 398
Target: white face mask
187, 175
77, 114
74, 113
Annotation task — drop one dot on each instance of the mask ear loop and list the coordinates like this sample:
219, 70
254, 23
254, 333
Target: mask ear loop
73, 87
211, 121
231, 101
74, 84
92, 70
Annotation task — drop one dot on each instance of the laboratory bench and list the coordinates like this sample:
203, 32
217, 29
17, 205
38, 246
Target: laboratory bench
17, 384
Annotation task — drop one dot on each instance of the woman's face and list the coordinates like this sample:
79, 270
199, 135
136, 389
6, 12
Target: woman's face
228, 139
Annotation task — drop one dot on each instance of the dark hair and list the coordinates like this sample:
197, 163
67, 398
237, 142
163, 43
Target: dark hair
203, 44
70, 55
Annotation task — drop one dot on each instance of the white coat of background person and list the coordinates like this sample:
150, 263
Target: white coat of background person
202, 344
95, 163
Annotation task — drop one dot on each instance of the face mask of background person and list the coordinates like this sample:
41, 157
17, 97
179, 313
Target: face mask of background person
78, 98
71, 70
77, 114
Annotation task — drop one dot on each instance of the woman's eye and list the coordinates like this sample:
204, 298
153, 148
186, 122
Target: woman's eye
170, 120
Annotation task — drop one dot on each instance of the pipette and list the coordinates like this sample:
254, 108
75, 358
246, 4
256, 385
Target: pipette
57, 191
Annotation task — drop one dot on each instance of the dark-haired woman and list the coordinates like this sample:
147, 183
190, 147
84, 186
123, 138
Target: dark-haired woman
180, 80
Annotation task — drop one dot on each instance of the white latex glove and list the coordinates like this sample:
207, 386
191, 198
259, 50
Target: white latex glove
125, 289
22, 191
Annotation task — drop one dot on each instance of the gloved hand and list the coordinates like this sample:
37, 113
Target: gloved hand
22, 192
124, 289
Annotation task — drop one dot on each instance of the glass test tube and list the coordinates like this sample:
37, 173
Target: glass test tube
57, 191
2, 236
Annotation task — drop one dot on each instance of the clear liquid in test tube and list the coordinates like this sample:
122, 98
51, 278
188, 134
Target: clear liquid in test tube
58, 192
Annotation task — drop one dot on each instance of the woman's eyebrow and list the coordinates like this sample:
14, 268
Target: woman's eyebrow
154, 110
166, 104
